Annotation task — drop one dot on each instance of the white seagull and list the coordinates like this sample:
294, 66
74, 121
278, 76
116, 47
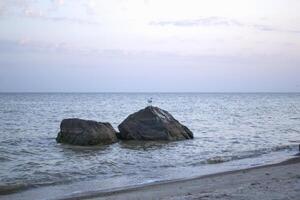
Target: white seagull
150, 101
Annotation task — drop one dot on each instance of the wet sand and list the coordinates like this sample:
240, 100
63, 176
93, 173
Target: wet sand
276, 181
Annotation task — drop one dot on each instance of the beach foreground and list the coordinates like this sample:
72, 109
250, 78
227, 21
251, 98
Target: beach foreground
276, 181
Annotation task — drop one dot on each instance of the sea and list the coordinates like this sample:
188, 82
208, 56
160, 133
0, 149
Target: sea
231, 131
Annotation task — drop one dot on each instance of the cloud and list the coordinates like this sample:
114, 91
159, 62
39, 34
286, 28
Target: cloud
66, 19
202, 21
29, 12
59, 2
34, 10
263, 27
220, 21
8, 7
27, 45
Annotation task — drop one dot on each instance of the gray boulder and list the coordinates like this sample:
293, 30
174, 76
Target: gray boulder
85, 132
152, 123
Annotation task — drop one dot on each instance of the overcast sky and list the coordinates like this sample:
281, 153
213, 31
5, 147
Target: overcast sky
150, 46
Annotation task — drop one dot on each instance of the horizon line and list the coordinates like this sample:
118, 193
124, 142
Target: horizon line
147, 92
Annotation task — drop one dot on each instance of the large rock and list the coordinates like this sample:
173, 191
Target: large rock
85, 132
153, 123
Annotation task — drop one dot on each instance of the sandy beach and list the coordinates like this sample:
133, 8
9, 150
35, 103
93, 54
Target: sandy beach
276, 181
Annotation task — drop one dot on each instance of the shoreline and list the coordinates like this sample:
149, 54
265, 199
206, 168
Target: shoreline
190, 188
91, 188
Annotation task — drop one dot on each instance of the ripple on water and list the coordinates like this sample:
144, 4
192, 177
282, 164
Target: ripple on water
226, 127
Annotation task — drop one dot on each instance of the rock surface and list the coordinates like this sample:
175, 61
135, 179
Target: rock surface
153, 123
85, 132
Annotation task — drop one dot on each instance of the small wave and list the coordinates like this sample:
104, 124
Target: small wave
283, 147
244, 155
292, 130
295, 118
13, 142
217, 159
9, 189
167, 166
4, 159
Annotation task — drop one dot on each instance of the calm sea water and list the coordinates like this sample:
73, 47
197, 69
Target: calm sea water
227, 128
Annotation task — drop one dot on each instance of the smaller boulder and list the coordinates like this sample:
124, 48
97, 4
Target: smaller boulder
152, 123
85, 132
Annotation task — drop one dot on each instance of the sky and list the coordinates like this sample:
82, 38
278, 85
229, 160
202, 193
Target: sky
149, 46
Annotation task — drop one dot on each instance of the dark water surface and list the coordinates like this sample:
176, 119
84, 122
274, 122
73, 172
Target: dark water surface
227, 127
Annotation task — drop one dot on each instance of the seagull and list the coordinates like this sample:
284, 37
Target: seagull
149, 101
